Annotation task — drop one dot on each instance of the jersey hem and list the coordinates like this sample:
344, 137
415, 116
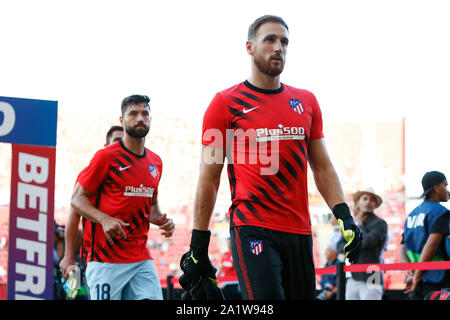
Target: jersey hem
122, 260
275, 227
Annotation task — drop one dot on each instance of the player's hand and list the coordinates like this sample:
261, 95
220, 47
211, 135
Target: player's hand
65, 265
205, 289
165, 224
112, 227
199, 276
412, 282
350, 232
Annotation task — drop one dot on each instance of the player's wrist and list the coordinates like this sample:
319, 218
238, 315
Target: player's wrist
342, 211
200, 240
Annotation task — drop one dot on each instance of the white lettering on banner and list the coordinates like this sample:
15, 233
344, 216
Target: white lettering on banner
9, 118
34, 278
32, 169
39, 226
33, 192
35, 164
32, 247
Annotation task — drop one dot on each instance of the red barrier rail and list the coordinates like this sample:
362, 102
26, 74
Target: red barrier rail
430, 265
370, 267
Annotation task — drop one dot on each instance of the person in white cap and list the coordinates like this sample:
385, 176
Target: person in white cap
367, 285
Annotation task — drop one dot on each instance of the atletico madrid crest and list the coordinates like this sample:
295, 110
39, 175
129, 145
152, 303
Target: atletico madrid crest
256, 246
153, 170
296, 105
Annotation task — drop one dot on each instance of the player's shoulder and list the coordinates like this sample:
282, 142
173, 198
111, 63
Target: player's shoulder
230, 90
104, 153
111, 151
154, 157
294, 90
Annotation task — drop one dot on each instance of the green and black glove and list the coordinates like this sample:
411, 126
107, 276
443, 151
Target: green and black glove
199, 276
349, 230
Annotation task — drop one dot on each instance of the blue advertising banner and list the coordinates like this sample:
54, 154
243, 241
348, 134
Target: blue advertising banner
30, 126
28, 121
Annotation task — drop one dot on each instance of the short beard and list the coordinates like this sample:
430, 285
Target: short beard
137, 132
266, 69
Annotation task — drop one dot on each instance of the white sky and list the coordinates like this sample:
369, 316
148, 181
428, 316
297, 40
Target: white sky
362, 59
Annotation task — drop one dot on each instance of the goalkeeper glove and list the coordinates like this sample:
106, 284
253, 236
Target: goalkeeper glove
199, 276
206, 289
349, 230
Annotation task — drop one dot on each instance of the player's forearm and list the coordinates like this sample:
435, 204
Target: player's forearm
81, 204
329, 186
208, 185
204, 202
155, 213
325, 175
71, 233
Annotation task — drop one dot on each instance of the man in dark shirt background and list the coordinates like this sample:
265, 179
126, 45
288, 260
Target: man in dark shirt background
367, 285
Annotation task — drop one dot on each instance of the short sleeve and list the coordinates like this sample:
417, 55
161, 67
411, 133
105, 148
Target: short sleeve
215, 123
155, 193
316, 124
441, 225
94, 174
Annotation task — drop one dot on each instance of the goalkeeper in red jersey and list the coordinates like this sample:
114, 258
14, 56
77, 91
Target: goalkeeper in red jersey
269, 132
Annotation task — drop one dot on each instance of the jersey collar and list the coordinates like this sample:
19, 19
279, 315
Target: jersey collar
265, 91
134, 154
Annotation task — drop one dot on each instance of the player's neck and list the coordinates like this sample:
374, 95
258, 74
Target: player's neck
135, 145
263, 81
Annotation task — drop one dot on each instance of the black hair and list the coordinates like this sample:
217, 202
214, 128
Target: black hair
253, 28
111, 130
134, 99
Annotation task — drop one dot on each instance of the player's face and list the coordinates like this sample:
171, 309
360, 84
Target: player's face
136, 120
115, 136
366, 203
269, 48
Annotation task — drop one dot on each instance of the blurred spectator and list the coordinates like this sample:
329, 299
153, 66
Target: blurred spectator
424, 237
231, 289
328, 281
336, 235
226, 267
367, 285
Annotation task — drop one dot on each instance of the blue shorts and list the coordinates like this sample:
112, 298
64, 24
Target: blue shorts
123, 281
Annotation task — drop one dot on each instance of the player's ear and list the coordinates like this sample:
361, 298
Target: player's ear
249, 46
121, 120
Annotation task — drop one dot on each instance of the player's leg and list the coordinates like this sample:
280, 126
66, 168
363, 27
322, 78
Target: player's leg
299, 278
106, 280
371, 291
144, 284
352, 289
257, 262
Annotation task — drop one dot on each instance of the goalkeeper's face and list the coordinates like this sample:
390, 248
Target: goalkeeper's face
136, 120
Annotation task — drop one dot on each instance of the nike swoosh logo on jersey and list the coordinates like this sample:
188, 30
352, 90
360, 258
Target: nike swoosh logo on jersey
245, 110
124, 168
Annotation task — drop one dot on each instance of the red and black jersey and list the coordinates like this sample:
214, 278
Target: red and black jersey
124, 185
265, 134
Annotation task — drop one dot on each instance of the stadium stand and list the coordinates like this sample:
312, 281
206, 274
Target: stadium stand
177, 139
